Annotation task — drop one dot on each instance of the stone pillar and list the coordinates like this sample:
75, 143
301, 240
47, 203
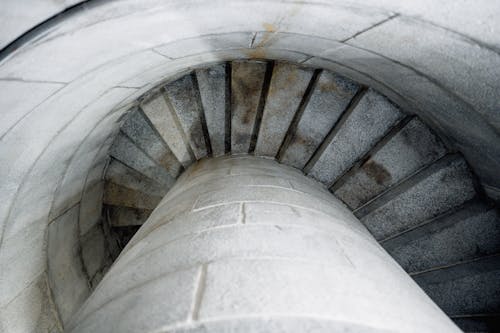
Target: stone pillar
244, 244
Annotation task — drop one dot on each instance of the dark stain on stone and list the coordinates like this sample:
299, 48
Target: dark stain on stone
248, 116
376, 172
327, 86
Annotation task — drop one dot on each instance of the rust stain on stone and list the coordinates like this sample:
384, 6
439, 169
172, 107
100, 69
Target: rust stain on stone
257, 53
328, 86
269, 27
376, 172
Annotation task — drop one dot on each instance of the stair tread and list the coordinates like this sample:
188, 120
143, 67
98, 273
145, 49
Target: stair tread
118, 195
370, 119
468, 233
161, 115
145, 137
468, 288
247, 80
212, 85
121, 216
124, 150
329, 99
286, 90
431, 192
125, 176
413, 147
184, 98
478, 323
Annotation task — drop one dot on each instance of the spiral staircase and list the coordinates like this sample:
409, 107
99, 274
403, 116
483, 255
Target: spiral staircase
104, 104
418, 198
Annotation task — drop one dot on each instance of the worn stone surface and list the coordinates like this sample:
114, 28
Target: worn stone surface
118, 195
469, 233
67, 278
227, 254
126, 216
451, 287
286, 91
166, 310
412, 148
247, 79
120, 174
212, 85
446, 185
198, 45
184, 98
91, 200
276, 324
443, 58
329, 99
125, 151
144, 136
74, 48
94, 252
376, 115
163, 119
15, 105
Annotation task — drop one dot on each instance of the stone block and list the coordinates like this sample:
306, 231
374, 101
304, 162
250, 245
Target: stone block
329, 99
286, 91
362, 128
212, 85
247, 80
69, 285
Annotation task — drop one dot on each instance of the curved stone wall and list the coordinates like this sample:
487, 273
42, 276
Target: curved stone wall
245, 244
65, 86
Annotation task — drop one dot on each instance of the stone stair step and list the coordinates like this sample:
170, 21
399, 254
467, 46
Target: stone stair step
121, 216
412, 147
184, 97
125, 151
139, 130
468, 288
432, 191
362, 127
478, 323
213, 86
117, 195
247, 81
160, 114
460, 235
286, 91
125, 176
329, 99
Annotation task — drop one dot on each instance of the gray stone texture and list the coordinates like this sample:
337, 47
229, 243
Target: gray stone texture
412, 148
444, 185
375, 115
328, 101
225, 256
286, 91
125, 151
122, 196
120, 174
468, 288
126, 216
469, 233
94, 252
163, 118
138, 129
247, 79
67, 278
184, 98
108, 47
212, 85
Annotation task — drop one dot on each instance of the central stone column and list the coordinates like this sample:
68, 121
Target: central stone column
244, 244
